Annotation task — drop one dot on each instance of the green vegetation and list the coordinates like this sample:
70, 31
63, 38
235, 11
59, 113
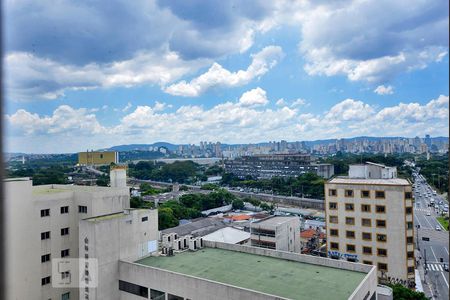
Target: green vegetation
444, 222
435, 171
137, 202
179, 171
210, 186
190, 206
403, 293
103, 180
55, 174
307, 185
237, 204
147, 189
214, 170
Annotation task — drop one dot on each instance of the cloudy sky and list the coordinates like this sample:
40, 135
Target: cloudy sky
92, 74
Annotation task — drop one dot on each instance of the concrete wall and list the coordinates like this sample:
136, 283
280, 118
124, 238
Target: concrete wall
23, 274
112, 238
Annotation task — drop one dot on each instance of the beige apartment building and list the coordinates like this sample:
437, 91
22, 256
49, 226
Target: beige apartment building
369, 219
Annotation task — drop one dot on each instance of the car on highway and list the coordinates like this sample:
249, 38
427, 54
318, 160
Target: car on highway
446, 267
438, 228
428, 213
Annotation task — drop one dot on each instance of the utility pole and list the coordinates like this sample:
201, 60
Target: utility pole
417, 236
425, 262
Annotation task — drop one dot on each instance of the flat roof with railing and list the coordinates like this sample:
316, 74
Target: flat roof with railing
275, 276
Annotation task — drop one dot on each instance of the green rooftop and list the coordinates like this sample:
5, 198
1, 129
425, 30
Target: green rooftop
269, 275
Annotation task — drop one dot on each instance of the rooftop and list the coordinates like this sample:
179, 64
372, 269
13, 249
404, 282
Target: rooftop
44, 190
198, 227
347, 180
274, 221
275, 276
113, 215
228, 235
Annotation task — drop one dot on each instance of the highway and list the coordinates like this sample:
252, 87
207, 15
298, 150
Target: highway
436, 282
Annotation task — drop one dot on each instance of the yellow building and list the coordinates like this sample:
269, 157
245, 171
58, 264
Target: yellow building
98, 157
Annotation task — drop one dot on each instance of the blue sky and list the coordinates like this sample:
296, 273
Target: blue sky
81, 75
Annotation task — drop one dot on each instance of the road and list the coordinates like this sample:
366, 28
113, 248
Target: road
436, 249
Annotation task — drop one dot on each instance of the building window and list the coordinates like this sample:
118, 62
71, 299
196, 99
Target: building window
410, 270
350, 234
381, 252
349, 207
134, 289
45, 212
381, 237
367, 250
381, 223
45, 280
45, 258
366, 222
410, 254
380, 209
334, 232
348, 193
65, 275
408, 195
351, 248
65, 296
350, 221
82, 209
157, 295
333, 219
379, 194
367, 236
365, 207
410, 240
174, 297
332, 192
144, 219
382, 267
65, 231
334, 246
64, 209
409, 225
45, 235
65, 253
365, 194
367, 262
408, 210
332, 205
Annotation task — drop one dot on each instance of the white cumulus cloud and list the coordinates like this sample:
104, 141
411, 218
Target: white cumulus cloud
384, 90
217, 76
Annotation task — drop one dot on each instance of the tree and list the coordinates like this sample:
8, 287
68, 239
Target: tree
166, 219
403, 293
237, 204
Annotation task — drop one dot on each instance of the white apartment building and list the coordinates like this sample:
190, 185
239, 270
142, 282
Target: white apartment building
369, 219
43, 223
277, 232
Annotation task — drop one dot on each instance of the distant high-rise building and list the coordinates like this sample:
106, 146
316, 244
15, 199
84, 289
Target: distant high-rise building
428, 141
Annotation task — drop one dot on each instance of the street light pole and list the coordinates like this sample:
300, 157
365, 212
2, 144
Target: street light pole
417, 236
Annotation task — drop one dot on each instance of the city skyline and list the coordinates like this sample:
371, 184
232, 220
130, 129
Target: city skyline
245, 74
